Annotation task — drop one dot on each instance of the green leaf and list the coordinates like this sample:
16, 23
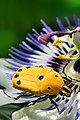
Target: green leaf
7, 110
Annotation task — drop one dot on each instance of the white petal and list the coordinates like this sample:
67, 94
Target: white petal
5, 99
4, 81
34, 113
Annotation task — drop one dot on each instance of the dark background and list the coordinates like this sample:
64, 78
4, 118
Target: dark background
18, 17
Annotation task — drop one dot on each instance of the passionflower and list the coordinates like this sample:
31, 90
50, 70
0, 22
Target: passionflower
59, 50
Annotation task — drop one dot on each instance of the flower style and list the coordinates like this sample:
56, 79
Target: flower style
61, 54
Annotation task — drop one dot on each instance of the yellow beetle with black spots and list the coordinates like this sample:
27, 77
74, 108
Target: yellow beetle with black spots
38, 80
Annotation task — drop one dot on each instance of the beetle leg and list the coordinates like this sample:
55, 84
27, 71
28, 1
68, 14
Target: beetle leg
19, 96
22, 96
34, 102
53, 102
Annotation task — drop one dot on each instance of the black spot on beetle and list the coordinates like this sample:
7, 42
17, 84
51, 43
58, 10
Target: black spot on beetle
56, 75
19, 70
28, 67
18, 82
41, 77
17, 75
49, 88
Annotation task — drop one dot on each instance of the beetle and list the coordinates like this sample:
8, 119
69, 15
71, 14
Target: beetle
40, 81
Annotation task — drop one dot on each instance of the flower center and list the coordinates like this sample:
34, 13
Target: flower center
77, 66
73, 70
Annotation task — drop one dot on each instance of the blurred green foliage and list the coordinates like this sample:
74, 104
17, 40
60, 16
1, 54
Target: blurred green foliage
18, 17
